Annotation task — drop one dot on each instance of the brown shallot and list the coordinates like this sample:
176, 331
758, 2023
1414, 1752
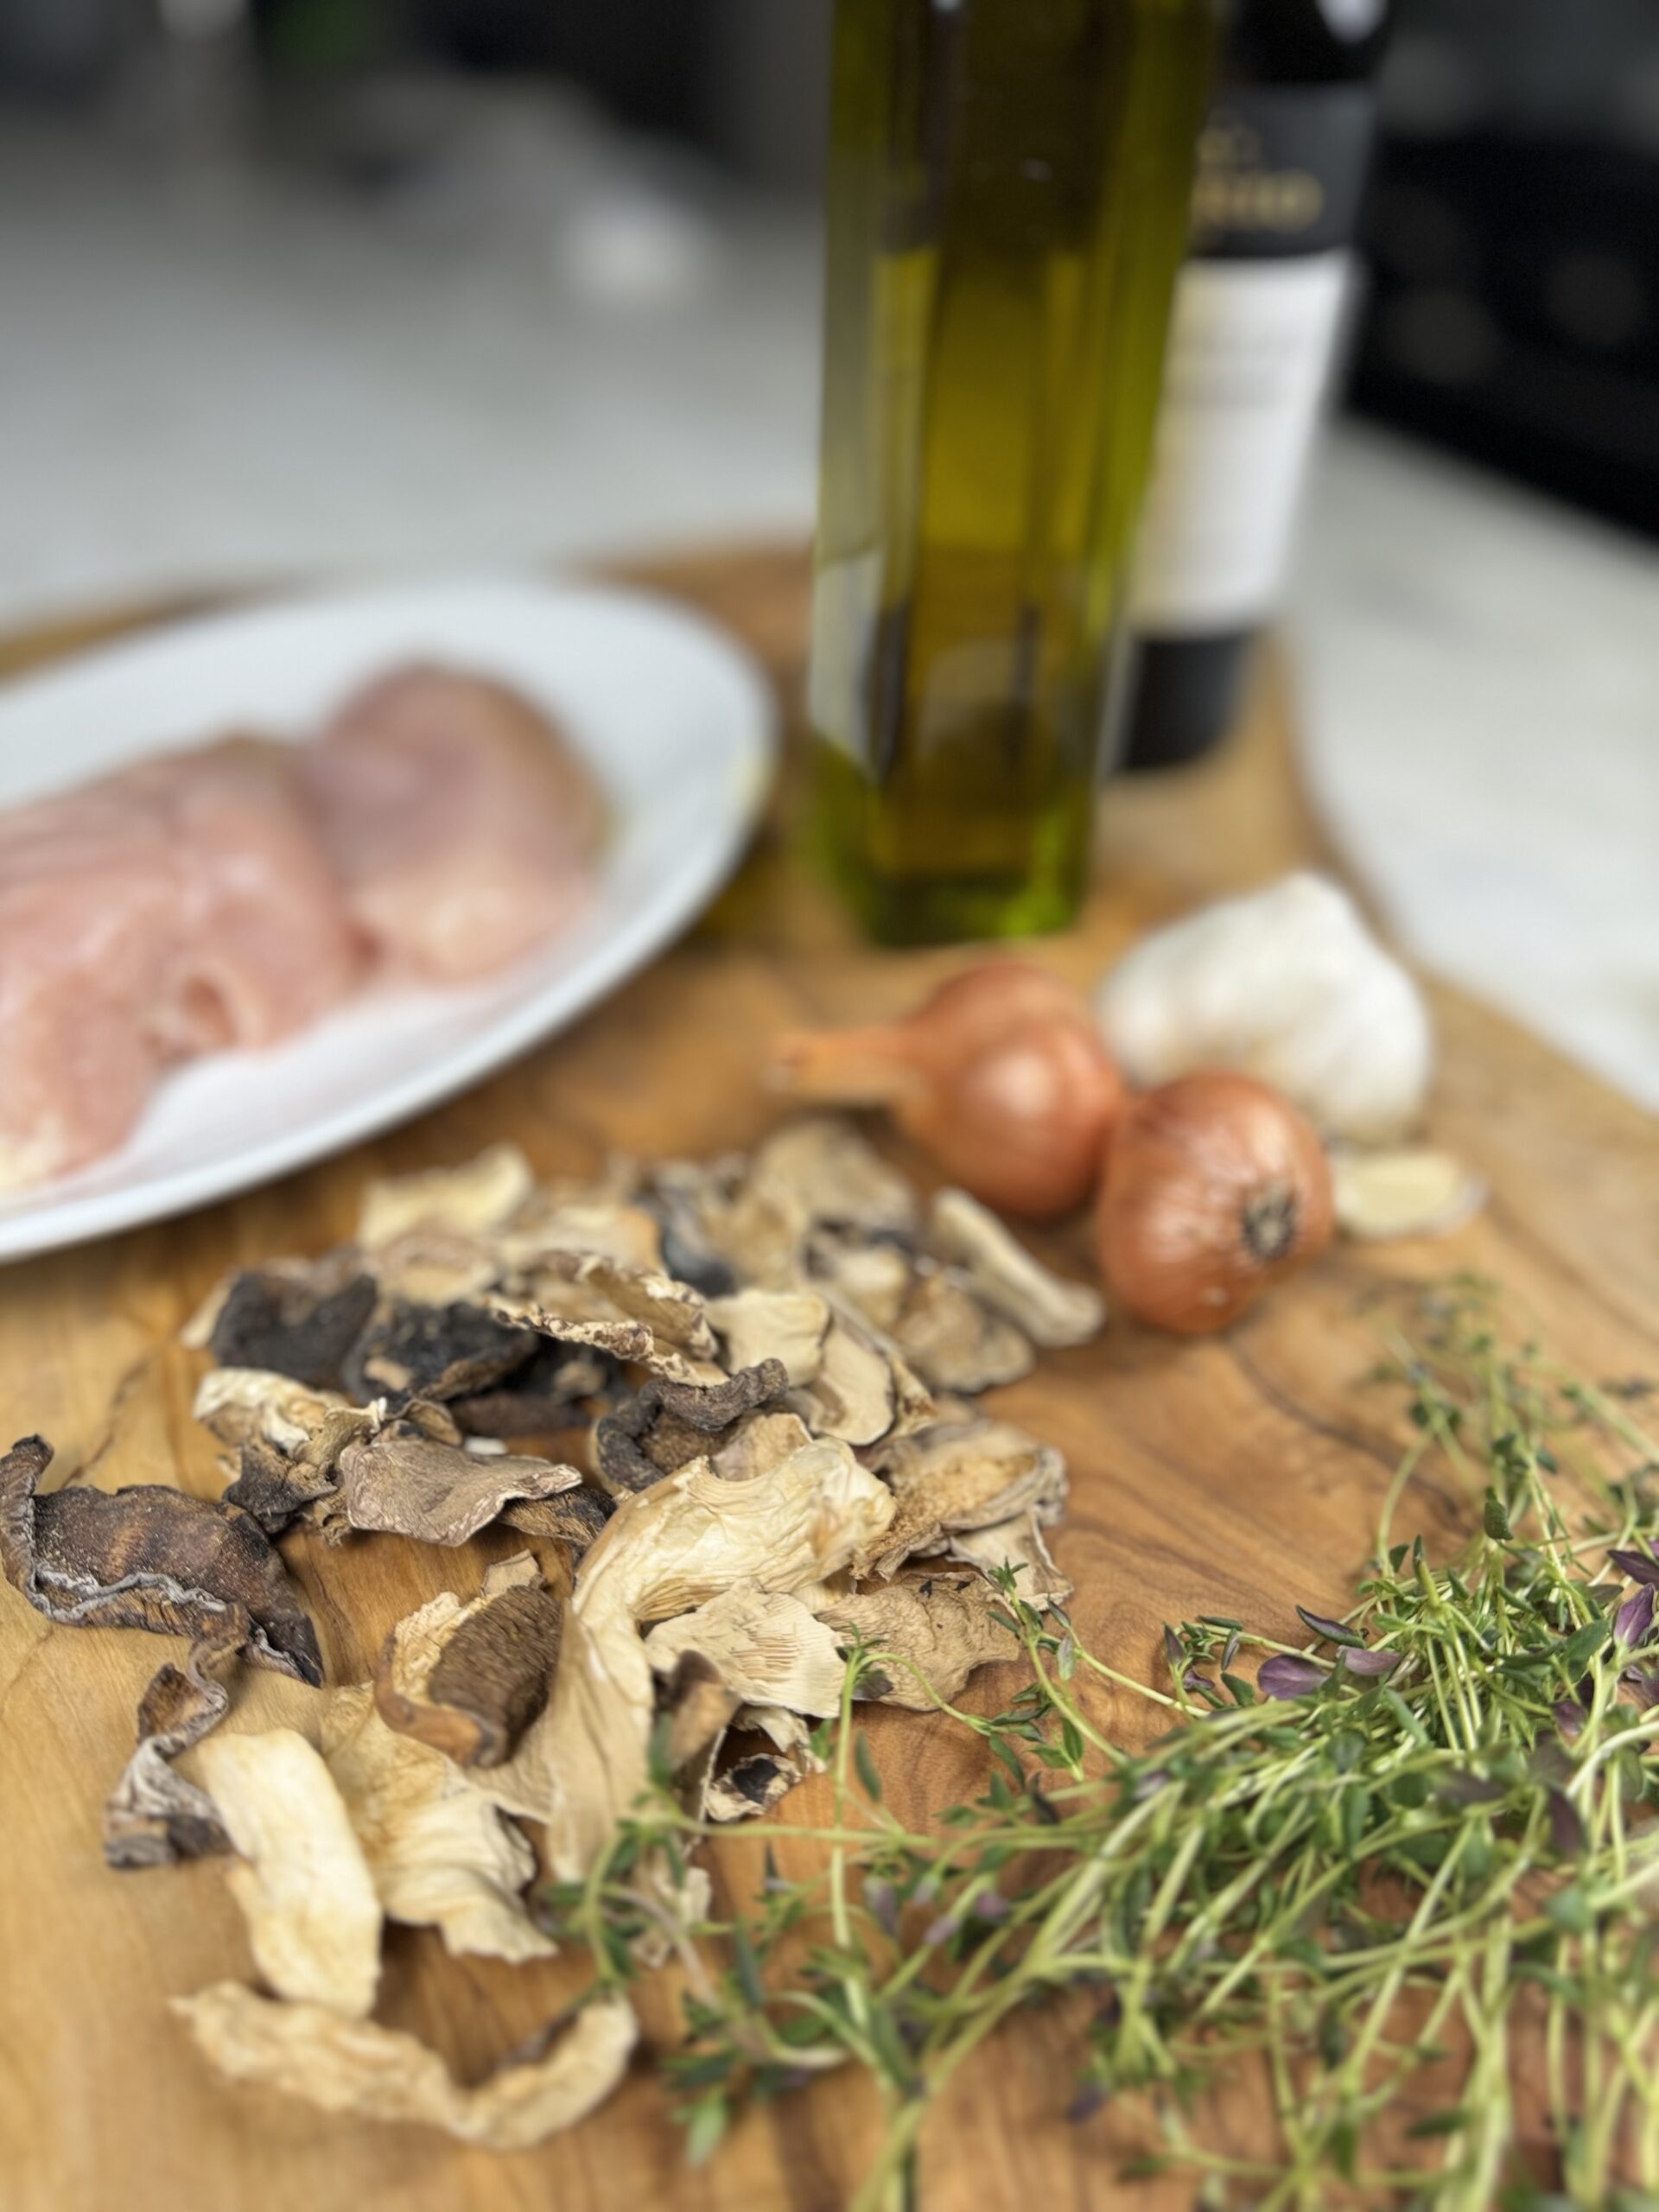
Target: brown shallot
1000, 1074
1216, 1187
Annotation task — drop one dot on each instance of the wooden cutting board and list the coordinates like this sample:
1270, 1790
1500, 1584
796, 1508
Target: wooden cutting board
1239, 1476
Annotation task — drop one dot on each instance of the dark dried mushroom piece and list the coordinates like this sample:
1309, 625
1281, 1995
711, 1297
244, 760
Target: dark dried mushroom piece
412, 1485
149, 1557
154, 1816
557, 1385
435, 1352
297, 1321
667, 1424
274, 1490
750, 1786
699, 1705
570, 1517
469, 1680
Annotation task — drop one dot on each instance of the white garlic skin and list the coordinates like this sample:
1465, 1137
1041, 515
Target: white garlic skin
1288, 985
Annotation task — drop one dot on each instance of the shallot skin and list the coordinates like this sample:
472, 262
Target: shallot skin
1001, 1075
1215, 1188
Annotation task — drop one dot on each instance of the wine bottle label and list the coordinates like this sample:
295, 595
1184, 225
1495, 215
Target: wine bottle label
1252, 339
1250, 348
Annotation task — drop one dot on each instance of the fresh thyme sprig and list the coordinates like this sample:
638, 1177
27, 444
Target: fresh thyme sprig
1419, 1849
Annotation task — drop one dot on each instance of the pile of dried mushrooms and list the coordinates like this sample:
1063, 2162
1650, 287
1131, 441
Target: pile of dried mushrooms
759, 1364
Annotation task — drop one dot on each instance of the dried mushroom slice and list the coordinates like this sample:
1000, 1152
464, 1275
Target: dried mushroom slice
613, 1227
1052, 1311
467, 1680
786, 1325
963, 1476
764, 1644
149, 1557
300, 1875
954, 1341
237, 1403
570, 1517
434, 1352
938, 1626
864, 1391
354, 2066
665, 1424
275, 1490
758, 1444
874, 1280
433, 1267
406, 1483
474, 1199
583, 1765
751, 1785
557, 1388
439, 1855
588, 1287
294, 1317
828, 1172
154, 1816
1017, 1544
699, 1706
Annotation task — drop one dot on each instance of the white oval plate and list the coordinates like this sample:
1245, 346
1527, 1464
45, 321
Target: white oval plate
675, 721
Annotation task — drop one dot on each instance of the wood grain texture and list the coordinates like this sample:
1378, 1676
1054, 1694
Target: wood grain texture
1241, 1475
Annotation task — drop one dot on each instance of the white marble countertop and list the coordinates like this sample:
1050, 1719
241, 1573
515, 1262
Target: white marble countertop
234, 379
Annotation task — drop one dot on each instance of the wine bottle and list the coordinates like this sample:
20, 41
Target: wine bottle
1009, 191
1259, 308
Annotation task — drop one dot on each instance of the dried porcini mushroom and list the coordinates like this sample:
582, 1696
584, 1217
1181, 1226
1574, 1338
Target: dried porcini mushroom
153, 1816
556, 1387
1017, 1543
665, 1424
998, 1269
944, 1623
355, 2066
764, 1644
469, 1679
300, 1875
828, 1172
439, 1855
863, 1390
299, 1322
148, 1557
407, 1483
785, 1325
434, 1352
952, 1339
482, 1195
963, 1476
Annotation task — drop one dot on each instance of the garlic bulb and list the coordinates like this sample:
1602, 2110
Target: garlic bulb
1288, 985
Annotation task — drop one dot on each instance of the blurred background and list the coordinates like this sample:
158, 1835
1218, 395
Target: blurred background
297, 288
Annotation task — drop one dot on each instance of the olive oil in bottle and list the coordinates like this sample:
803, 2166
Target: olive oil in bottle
1007, 199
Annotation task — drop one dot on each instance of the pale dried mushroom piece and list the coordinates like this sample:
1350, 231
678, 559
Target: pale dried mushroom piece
666, 1423
943, 1622
751, 1785
294, 1318
467, 1680
154, 1815
960, 1475
590, 1221
1017, 1543
434, 1352
764, 1644
1410, 1193
439, 1855
758, 1444
785, 1325
406, 1483
149, 1557
300, 1875
1052, 1311
586, 1287
828, 1173
864, 1391
954, 1340
474, 1199
435, 1267
874, 1280
238, 1404
666, 1549
355, 2066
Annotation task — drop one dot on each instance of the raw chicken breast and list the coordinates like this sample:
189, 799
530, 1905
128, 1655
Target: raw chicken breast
459, 822
184, 905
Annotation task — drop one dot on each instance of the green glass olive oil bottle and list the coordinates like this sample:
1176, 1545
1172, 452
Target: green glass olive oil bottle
1007, 209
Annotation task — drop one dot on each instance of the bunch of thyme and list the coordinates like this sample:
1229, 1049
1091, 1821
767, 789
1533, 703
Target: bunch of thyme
1416, 1853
